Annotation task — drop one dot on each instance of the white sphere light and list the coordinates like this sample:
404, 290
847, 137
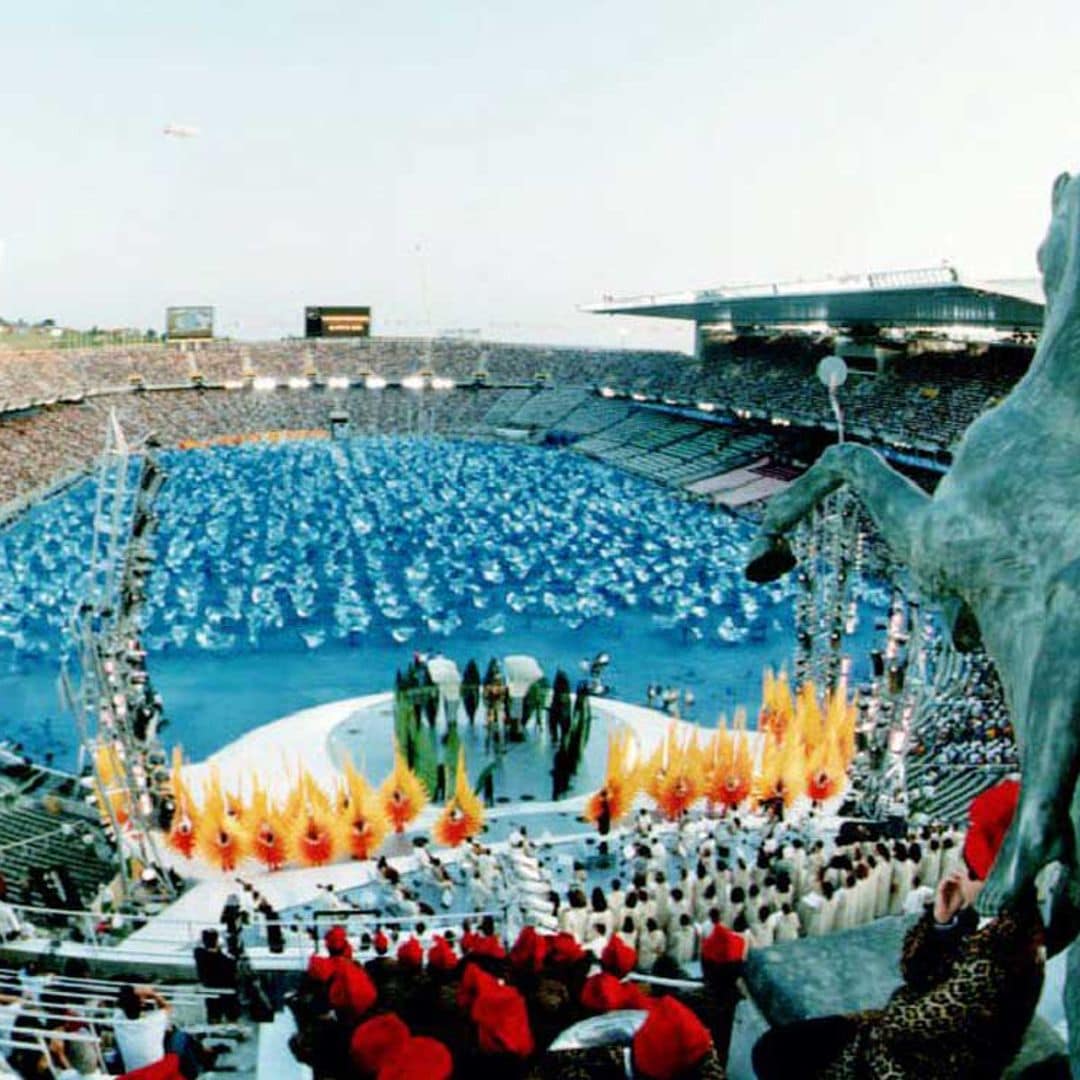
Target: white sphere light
832, 371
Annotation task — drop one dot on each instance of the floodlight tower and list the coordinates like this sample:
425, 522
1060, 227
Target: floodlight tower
828, 553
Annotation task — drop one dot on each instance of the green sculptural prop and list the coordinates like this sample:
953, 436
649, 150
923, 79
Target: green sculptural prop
998, 544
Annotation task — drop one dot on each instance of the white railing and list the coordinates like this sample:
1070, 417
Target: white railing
161, 937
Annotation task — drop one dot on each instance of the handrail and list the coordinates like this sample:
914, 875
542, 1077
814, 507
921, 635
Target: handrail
658, 980
190, 930
188, 993
29, 840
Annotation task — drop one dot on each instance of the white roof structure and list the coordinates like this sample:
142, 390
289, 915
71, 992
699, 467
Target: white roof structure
927, 297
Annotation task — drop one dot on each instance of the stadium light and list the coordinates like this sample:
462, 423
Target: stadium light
233, 384
264, 382
413, 382
706, 406
606, 392
441, 382
637, 395
338, 382
375, 382
298, 382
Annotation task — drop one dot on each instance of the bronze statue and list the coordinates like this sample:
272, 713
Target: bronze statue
999, 545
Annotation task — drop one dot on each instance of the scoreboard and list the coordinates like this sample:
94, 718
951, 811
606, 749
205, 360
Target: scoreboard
189, 322
337, 322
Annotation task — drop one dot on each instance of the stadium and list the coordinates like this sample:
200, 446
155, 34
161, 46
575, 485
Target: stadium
539, 542
245, 541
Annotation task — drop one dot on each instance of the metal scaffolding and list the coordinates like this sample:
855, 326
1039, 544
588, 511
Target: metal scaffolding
103, 678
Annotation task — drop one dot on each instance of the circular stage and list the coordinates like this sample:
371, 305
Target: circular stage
318, 742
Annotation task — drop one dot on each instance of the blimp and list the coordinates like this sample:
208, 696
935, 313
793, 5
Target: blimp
181, 131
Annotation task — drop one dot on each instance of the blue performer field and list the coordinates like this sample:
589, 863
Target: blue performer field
296, 574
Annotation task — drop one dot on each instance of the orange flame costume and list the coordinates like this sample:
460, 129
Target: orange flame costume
267, 830
219, 838
679, 782
622, 781
363, 822
829, 759
729, 772
181, 835
777, 704
402, 794
110, 788
313, 836
464, 813
783, 771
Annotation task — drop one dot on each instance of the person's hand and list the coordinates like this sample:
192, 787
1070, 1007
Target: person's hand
949, 898
58, 1052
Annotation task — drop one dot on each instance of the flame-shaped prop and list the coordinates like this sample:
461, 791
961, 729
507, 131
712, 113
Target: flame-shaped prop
464, 813
403, 794
621, 782
364, 821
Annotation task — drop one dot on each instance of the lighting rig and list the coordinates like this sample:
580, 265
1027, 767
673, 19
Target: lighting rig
104, 679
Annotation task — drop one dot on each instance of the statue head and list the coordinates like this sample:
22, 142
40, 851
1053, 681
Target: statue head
1058, 260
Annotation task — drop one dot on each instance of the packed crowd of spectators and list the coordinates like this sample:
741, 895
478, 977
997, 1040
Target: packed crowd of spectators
926, 401
966, 722
41, 447
53, 402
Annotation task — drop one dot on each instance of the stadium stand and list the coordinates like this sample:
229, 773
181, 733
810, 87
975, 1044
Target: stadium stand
54, 404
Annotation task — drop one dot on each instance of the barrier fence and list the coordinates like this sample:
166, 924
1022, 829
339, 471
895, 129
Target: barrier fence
143, 939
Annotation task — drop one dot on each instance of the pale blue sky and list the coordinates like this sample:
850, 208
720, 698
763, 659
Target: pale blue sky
493, 165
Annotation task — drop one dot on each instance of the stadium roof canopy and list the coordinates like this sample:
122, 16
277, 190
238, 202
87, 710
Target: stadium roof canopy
933, 297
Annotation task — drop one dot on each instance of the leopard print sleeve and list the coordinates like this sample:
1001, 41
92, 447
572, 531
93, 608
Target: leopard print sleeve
930, 951
973, 1020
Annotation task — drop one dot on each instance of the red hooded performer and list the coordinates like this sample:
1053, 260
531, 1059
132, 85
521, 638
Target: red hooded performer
502, 1022
618, 957
418, 1058
374, 1040
723, 946
671, 1041
990, 816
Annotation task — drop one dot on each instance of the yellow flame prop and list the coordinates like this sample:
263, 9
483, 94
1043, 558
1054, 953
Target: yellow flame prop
621, 782
403, 794
464, 813
219, 836
363, 820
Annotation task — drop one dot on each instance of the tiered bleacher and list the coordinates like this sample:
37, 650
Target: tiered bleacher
52, 849
54, 404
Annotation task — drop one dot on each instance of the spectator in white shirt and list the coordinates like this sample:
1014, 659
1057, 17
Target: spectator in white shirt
139, 1033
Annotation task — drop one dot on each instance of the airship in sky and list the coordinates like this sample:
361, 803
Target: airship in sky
181, 131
